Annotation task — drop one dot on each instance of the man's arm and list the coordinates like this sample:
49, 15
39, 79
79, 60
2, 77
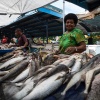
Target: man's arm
26, 42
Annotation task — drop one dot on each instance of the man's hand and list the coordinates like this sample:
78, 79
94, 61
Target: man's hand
70, 50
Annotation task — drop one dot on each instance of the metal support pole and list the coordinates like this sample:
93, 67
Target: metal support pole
47, 32
63, 15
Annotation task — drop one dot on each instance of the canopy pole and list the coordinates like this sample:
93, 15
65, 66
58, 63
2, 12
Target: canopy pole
63, 15
47, 32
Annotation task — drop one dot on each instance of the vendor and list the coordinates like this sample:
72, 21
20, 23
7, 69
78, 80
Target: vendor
22, 40
73, 40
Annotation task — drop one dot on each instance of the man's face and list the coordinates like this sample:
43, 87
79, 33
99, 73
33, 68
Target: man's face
17, 34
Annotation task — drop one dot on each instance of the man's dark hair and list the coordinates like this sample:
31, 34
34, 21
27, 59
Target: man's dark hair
71, 16
18, 29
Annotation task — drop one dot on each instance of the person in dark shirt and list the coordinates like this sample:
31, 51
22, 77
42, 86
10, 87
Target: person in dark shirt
22, 40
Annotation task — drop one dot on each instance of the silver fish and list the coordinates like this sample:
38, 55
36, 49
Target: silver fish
9, 90
55, 70
11, 61
59, 61
31, 68
69, 63
8, 55
76, 67
24, 92
76, 78
63, 56
3, 73
35, 78
16, 70
53, 84
21, 76
89, 77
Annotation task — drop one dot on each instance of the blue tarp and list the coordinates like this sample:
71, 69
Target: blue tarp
2, 52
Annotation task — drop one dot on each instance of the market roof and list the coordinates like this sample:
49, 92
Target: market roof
44, 21
87, 4
38, 23
21, 6
47, 21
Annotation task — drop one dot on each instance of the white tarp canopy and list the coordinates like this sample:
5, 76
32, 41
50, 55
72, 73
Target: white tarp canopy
11, 9
21, 6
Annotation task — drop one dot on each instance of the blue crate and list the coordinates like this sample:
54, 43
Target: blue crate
2, 52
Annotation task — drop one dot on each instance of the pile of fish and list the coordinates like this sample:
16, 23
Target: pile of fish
34, 76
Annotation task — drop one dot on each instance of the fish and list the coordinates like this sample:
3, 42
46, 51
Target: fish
89, 77
41, 75
93, 59
3, 73
26, 73
37, 64
75, 78
9, 90
63, 56
84, 58
11, 61
76, 67
15, 71
6, 56
51, 71
46, 87
62, 66
21, 76
10, 67
43, 69
5, 60
14, 54
2, 95
23, 92
69, 63
49, 59
35, 77
59, 61
32, 68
